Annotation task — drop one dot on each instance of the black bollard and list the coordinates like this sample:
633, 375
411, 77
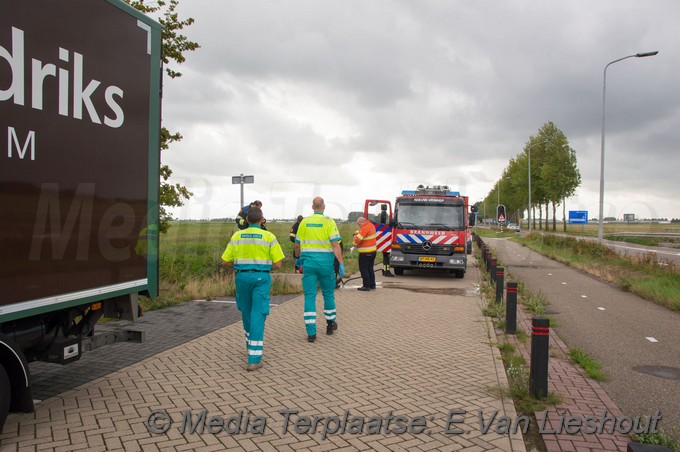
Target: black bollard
511, 308
500, 282
492, 269
538, 372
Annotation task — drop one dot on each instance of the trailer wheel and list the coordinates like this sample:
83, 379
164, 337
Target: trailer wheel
5, 394
398, 271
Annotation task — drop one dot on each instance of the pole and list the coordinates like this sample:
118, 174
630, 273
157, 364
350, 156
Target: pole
538, 368
511, 308
500, 282
242, 184
604, 91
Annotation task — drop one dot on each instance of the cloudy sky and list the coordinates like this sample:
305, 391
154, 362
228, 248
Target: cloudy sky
350, 99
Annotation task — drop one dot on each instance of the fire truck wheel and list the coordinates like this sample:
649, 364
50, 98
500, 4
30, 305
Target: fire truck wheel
5, 394
398, 271
460, 273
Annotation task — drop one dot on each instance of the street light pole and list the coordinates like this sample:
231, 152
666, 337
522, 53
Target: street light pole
529, 155
604, 90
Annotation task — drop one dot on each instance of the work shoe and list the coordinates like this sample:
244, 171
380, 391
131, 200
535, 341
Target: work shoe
254, 366
363, 289
331, 326
311, 338
388, 273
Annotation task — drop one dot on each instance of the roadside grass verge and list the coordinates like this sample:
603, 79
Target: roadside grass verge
515, 365
591, 367
661, 438
645, 276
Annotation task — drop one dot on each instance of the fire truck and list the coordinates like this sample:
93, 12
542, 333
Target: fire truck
428, 229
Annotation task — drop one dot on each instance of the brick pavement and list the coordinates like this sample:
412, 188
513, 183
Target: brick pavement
397, 349
163, 329
581, 397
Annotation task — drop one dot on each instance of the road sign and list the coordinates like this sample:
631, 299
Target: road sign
242, 179
500, 213
578, 217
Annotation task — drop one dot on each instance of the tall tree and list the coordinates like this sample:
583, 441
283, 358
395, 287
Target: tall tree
559, 172
174, 45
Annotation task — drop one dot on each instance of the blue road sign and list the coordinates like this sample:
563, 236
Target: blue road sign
578, 217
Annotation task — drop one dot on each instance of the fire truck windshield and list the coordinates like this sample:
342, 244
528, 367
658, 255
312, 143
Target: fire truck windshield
428, 216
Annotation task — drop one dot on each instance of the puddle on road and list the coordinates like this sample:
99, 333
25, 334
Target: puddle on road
670, 373
455, 291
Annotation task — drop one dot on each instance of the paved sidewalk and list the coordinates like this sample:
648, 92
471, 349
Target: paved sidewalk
417, 347
581, 397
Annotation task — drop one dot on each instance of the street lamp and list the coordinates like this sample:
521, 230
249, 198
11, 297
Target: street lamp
529, 154
604, 90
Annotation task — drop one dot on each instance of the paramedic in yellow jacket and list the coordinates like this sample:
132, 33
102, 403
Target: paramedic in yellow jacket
253, 252
317, 242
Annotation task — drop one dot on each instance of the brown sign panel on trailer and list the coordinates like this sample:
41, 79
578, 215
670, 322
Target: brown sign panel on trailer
74, 148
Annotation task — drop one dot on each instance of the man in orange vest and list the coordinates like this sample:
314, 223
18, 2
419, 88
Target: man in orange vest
364, 240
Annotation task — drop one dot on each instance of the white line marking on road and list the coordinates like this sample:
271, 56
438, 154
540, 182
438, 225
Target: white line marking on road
584, 296
224, 301
651, 339
549, 274
563, 283
600, 308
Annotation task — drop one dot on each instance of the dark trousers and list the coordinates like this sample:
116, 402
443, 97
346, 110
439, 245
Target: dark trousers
366, 261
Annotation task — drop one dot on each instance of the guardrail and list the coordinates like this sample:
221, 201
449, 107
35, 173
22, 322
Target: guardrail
661, 235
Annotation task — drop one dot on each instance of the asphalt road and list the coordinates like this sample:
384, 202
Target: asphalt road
636, 341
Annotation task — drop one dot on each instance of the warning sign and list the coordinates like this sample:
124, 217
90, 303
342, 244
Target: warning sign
500, 213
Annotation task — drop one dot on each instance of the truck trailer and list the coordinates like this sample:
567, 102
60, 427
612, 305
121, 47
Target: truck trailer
80, 100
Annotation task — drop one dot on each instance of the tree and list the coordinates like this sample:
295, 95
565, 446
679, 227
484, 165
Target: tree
554, 176
174, 44
559, 173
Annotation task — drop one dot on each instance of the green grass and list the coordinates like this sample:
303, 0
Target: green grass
644, 275
190, 261
515, 364
660, 438
518, 381
591, 367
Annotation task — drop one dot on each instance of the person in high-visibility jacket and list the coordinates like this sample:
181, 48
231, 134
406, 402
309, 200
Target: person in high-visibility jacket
253, 252
316, 242
364, 240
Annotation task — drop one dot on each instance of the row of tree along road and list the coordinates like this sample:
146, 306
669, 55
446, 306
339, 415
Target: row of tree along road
554, 177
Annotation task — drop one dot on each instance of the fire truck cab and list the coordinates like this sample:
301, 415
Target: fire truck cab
430, 229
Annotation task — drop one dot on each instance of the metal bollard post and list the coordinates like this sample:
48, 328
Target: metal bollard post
538, 372
511, 308
492, 269
500, 282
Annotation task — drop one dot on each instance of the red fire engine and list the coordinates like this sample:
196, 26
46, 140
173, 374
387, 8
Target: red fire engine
430, 229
